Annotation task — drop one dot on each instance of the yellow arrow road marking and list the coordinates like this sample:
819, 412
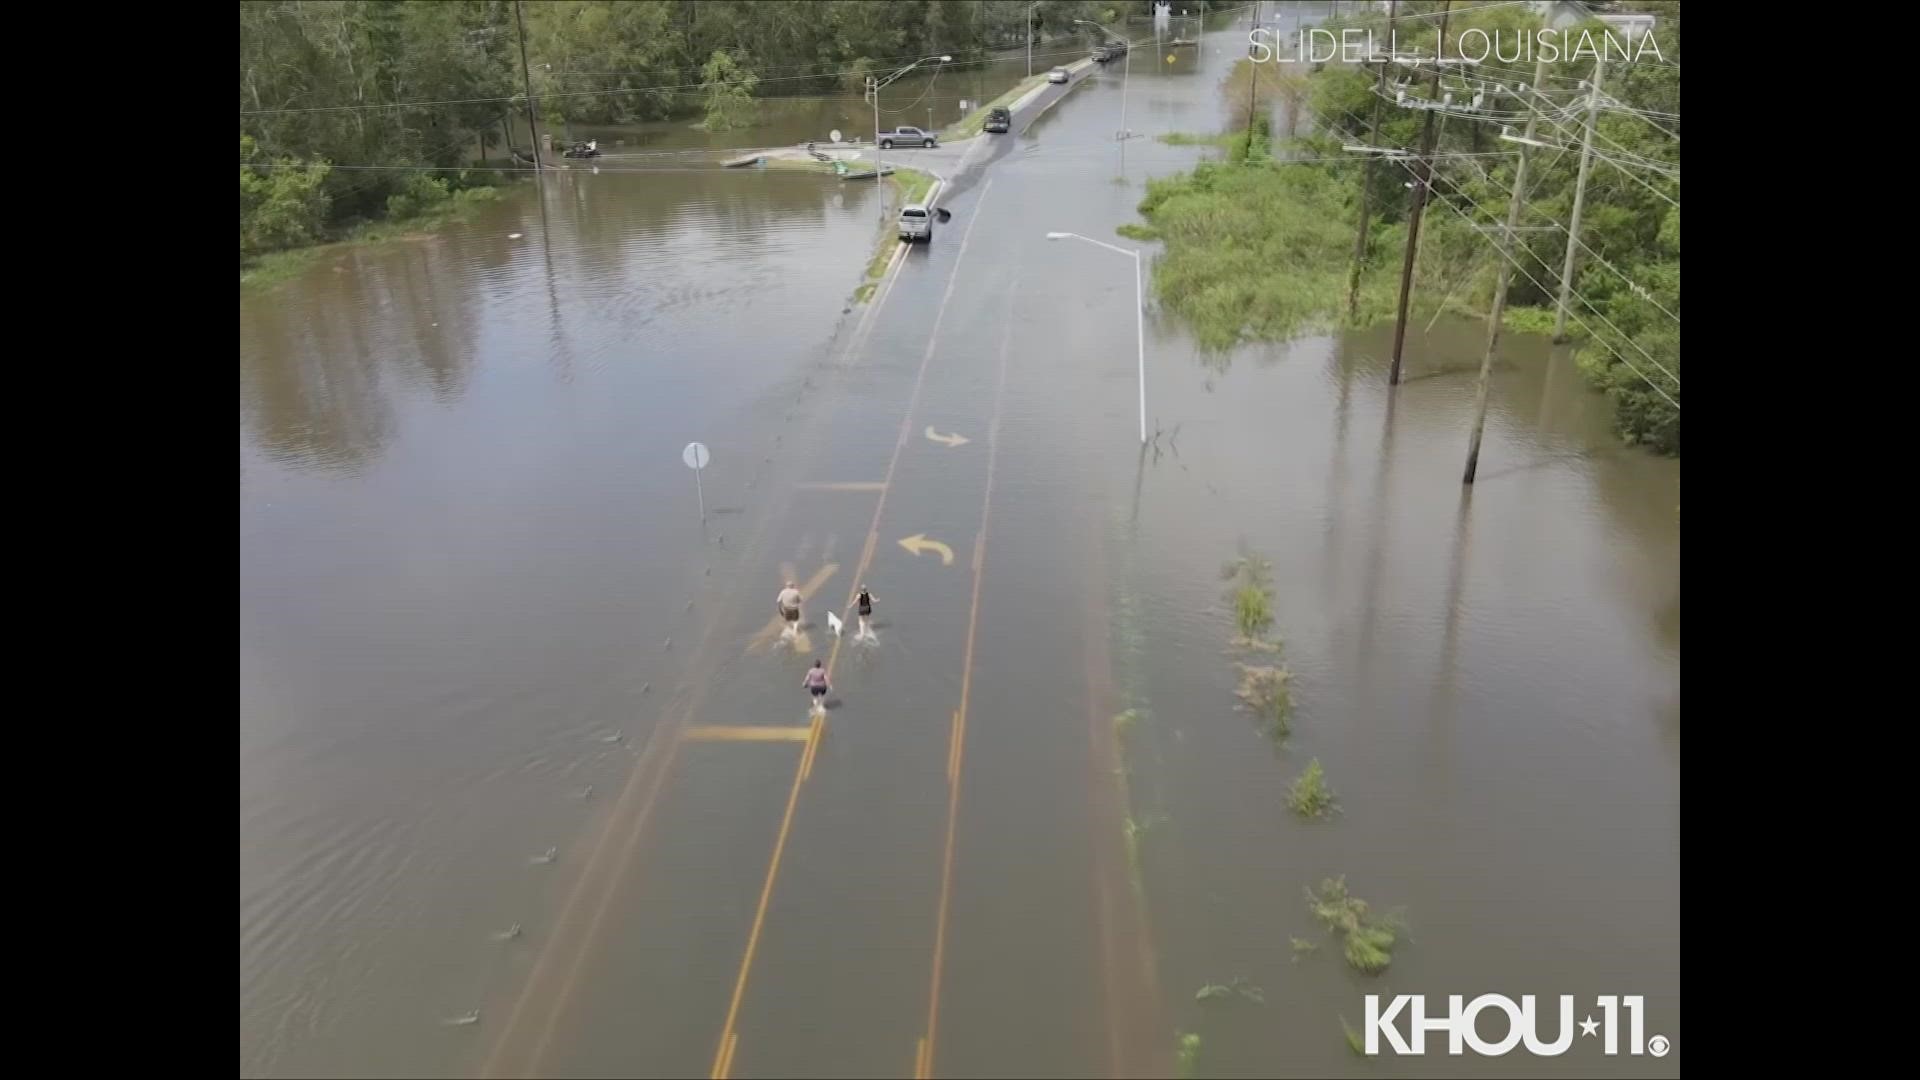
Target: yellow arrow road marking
918, 543
953, 440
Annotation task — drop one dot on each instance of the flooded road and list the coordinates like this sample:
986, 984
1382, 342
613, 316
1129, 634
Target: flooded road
517, 738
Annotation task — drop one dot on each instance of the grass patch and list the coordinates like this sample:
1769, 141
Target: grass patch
276, 267
912, 184
1310, 797
1266, 694
1369, 938
878, 265
865, 292
1251, 593
1252, 611
1257, 251
1186, 1054
972, 123
1302, 947
1138, 232
1531, 320
1184, 138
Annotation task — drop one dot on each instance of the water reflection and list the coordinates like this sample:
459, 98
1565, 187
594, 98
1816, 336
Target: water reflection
322, 357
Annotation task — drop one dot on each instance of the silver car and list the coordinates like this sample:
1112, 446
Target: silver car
1057, 75
916, 223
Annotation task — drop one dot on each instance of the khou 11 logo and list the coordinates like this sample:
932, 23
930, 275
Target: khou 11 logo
1522, 1023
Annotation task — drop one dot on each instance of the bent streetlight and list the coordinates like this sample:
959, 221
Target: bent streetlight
874, 86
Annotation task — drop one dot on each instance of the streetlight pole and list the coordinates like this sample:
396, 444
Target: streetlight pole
874, 86
1139, 314
1126, 78
1030, 7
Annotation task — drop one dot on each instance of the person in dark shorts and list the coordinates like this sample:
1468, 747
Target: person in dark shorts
788, 604
816, 684
864, 605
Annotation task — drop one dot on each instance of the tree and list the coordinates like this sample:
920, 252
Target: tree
282, 204
729, 92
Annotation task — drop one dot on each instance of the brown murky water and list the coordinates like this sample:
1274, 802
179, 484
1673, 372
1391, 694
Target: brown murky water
475, 592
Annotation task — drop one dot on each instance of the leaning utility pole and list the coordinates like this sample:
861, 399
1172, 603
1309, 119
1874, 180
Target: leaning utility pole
533, 129
1420, 185
1506, 275
1579, 196
1366, 180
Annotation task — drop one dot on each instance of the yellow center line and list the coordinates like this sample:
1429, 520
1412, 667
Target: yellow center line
747, 733
959, 749
546, 965
723, 1056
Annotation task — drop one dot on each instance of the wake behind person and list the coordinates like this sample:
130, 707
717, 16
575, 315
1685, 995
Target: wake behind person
864, 606
788, 605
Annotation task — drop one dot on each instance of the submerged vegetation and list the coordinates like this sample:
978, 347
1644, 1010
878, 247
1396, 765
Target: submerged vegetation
1354, 1042
1187, 1054
1240, 987
1265, 693
1261, 248
1369, 938
1310, 797
1251, 593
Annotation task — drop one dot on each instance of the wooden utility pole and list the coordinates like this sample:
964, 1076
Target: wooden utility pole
533, 127
1506, 275
1253, 82
1366, 180
1420, 186
1579, 197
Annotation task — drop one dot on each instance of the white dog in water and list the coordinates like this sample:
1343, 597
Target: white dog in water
834, 624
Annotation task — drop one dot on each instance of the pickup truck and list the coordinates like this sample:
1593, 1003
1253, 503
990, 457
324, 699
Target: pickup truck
905, 136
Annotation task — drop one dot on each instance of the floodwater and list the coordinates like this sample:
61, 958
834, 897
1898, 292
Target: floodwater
517, 748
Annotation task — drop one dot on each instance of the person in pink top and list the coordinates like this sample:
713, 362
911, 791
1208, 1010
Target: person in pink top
816, 684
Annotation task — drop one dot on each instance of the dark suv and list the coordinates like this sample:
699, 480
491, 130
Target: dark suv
999, 120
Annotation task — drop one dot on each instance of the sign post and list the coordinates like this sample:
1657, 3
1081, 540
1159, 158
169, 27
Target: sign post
696, 457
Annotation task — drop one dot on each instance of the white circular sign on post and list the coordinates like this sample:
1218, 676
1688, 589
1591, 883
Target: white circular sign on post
695, 455
834, 135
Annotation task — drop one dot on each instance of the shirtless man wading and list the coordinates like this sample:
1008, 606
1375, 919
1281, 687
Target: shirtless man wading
788, 604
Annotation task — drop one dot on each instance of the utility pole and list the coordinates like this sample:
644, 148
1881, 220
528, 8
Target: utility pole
879, 174
1366, 182
1420, 185
533, 129
1506, 275
1579, 197
1030, 7
1253, 82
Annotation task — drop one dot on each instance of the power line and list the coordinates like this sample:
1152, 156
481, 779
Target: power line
1589, 304
1404, 163
589, 93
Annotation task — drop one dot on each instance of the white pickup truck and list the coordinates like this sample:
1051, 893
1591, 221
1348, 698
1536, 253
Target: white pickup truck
916, 222
906, 136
